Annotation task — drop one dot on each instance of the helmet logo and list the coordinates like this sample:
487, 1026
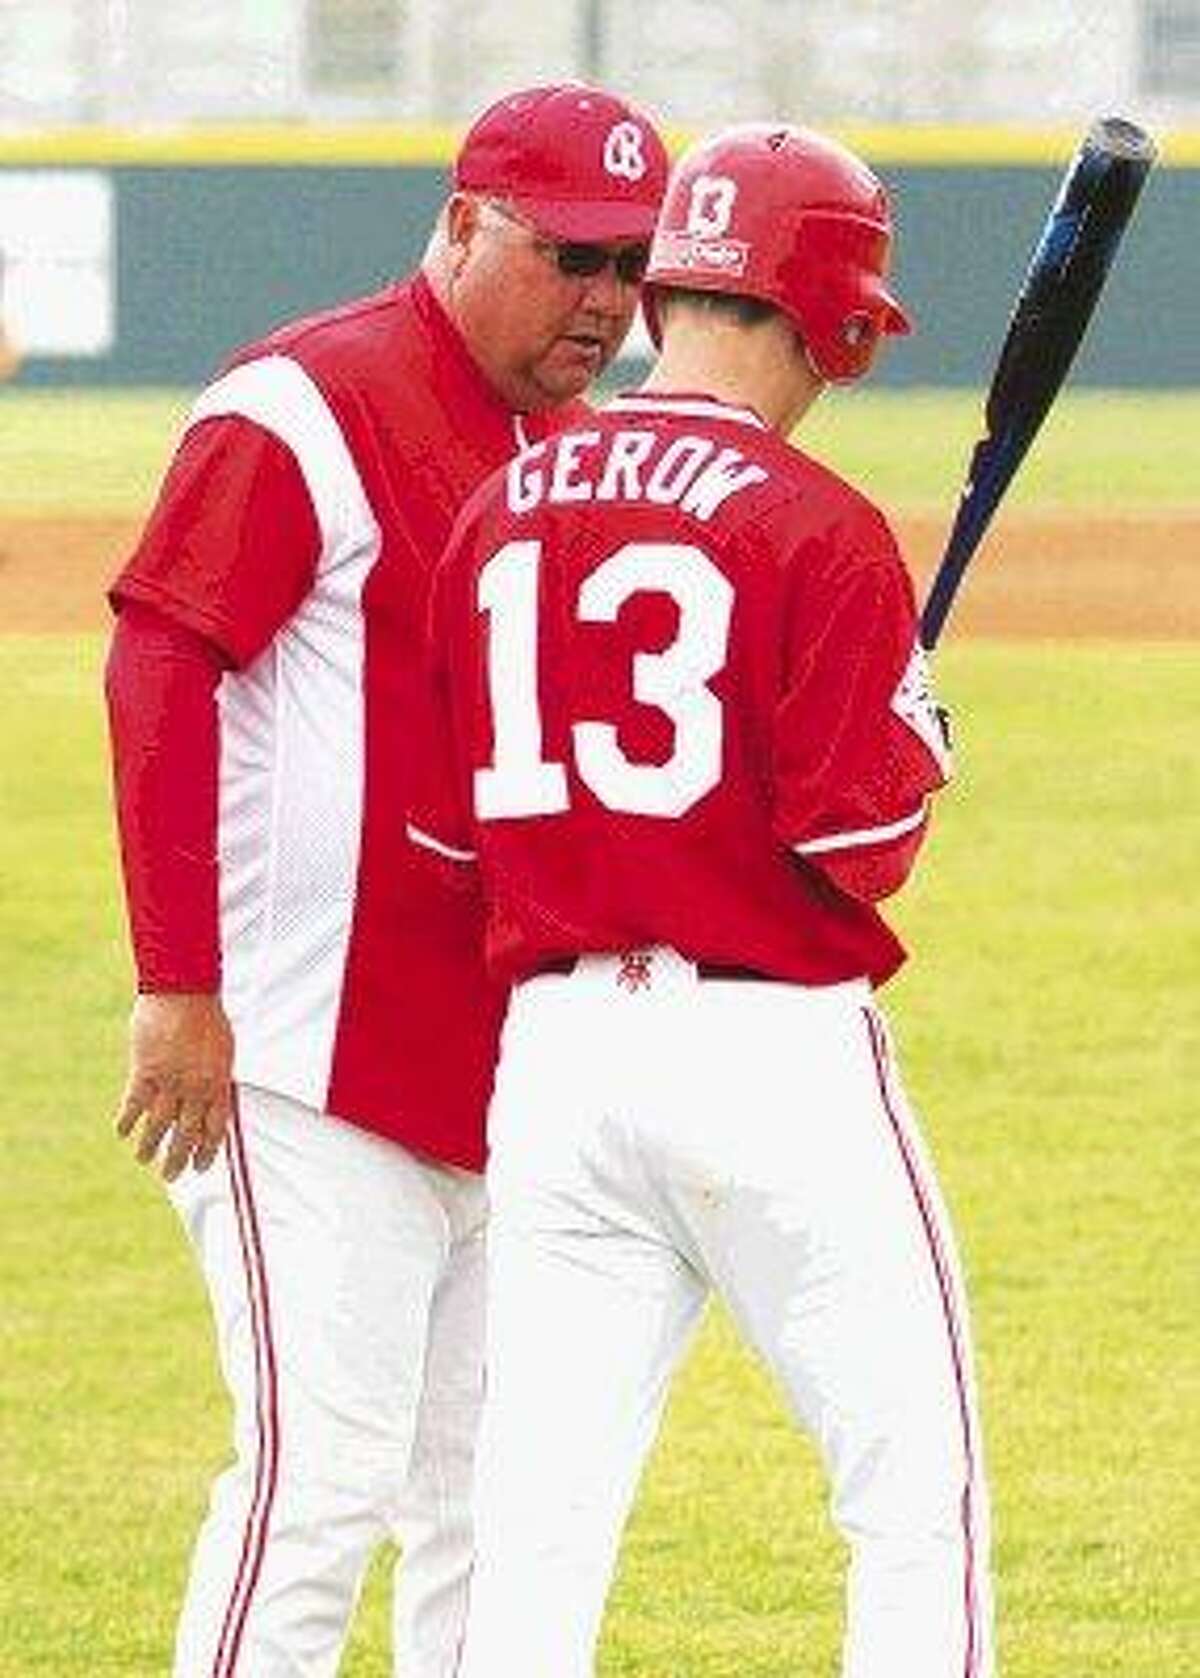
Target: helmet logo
623, 154
710, 210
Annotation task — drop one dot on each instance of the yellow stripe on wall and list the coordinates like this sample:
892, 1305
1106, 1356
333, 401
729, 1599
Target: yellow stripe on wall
225, 145
972, 147
388, 144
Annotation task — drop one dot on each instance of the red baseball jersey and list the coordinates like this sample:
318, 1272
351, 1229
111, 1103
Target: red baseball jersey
675, 697
313, 489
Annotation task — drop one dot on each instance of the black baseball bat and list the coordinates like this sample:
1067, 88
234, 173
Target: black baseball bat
1062, 283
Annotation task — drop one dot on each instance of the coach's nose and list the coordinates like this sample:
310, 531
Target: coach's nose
608, 294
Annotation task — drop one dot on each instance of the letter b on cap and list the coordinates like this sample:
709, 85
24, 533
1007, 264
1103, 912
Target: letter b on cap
623, 151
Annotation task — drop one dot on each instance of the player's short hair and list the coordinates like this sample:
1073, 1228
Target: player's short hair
724, 305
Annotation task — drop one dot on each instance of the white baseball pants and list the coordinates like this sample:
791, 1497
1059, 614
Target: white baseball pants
651, 1144
346, 1280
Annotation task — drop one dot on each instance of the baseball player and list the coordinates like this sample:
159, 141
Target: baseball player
313, 1020
682, 733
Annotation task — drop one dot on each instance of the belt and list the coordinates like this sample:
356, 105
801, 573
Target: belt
704, 969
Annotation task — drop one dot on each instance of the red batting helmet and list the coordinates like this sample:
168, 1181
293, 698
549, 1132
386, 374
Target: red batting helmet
772, 211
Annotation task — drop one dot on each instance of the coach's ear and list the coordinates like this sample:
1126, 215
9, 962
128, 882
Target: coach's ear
463, 221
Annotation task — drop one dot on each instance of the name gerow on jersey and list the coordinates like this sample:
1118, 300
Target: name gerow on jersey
696, 474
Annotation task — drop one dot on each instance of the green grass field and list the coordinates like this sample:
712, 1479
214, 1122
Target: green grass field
1050, 1028
907, 448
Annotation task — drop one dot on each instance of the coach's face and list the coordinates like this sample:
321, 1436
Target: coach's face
539, 323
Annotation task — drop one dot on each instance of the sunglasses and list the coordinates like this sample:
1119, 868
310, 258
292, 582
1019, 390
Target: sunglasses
578, 260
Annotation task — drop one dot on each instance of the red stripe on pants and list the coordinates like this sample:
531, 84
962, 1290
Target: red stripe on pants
943, 1272
266, 1477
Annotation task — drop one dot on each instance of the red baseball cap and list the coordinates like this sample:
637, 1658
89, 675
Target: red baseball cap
575, 162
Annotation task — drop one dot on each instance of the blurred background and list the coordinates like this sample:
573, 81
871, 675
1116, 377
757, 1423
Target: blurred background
692, 61
176, 177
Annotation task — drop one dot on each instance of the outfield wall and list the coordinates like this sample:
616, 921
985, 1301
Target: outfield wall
139, 260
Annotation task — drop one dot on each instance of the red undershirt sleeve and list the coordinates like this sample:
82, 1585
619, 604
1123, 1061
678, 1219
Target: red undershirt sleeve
161, 682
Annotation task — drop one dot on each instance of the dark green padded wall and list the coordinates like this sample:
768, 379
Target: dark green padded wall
210, 256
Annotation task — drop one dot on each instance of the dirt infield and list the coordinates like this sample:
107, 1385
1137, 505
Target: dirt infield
1059, 575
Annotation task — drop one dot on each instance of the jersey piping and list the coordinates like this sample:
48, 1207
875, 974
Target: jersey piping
439, 846
863, 835
687, 407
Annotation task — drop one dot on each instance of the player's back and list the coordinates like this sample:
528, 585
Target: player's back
686, 641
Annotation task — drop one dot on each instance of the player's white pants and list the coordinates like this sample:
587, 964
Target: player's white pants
650, 1145
346, 1279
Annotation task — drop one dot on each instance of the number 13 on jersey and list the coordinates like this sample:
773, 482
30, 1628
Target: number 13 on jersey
520, 781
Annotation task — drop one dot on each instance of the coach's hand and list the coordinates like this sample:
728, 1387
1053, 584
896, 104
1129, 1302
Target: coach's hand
180, 1079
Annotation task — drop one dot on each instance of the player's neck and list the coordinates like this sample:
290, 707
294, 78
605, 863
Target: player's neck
757, 368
